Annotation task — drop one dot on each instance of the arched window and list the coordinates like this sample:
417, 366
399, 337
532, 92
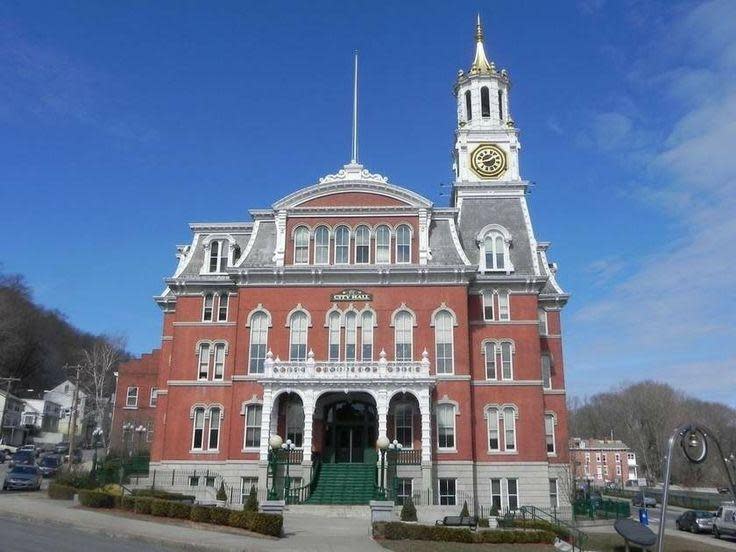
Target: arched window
490, 354
258, 342
218, 372
500, 105
445, 426
333, 331
342, 245
494, 439
218, 256
213, 441
301, 245
485, 102
403, 244
298, 336
207, 307
546, 371
362, 245
383, 245
509, 427
198, 429
504, 312
204, 361
468, 106
366, 337
222, 307
543, 327
549, 432
495, 251
507, 362
443, 342
295, 423
321, 245
404, 425
253, 426
403, 336
351, 335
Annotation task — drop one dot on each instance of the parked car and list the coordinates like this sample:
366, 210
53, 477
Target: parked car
695, 521
23, 477
645, 500
22, 458
49, 465
76, 457
723, 490
724, 522
61, 448
30, 448
8, 449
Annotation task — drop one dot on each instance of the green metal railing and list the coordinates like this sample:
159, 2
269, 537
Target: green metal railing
574, 536
119, 470
601, 509
299, 495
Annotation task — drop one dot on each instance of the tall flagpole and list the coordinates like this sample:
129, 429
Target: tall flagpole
355, 111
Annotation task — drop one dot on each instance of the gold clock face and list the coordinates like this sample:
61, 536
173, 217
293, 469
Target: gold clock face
488, 161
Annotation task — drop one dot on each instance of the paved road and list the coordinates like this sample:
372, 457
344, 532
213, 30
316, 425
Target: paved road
23, 536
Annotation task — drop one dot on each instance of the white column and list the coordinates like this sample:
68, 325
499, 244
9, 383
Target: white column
265, 423
382, 411
425, 409
308, 406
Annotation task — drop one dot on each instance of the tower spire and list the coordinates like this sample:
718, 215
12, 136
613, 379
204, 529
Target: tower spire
354, 157
480, 62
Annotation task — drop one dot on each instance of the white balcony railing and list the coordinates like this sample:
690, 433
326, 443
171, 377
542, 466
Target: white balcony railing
381, 369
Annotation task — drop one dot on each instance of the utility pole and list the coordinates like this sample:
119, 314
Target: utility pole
9, 382
73, 422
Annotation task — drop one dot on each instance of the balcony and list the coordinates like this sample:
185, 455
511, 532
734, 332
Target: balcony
380, 370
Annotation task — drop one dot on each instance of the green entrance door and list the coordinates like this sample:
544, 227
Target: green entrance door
350, 444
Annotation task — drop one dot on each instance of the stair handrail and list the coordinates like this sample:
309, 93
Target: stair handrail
299, 495
577, 537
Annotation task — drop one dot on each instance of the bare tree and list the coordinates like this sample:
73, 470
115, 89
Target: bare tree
96, 378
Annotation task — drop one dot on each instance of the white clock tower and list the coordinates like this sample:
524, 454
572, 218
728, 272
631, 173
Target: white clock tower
487, 142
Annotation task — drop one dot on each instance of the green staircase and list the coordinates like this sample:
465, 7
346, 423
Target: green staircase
344, 484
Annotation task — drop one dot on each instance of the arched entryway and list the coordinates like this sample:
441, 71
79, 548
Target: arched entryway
350, 428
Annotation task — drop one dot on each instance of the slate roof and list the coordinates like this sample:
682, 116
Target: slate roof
443, 248
264, 246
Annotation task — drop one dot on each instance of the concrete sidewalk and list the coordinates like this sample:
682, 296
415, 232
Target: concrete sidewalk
303, 532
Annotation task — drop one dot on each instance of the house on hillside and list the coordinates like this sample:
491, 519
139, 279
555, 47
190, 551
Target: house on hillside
603, 461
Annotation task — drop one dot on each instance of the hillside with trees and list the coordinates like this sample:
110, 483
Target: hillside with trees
644, 415
36, 343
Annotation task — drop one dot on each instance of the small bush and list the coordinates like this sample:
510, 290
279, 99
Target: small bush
127, 503
96, 499
79, 479
408, 511
464, 512
142, 505
494, 511
221, 492
251, 504
219, 515
483, 522
265, 524
200, 514
179, 510
160, 507
541, 525
164, 495
61, 492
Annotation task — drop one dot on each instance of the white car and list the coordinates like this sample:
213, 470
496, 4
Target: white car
725, 521
8, 449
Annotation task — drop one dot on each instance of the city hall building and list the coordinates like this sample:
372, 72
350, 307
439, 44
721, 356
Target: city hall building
357, 308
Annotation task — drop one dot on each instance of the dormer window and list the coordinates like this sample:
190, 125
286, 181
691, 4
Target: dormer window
301, 245
494, 242
218, 256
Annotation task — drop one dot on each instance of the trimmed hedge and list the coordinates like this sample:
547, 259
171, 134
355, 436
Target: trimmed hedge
76, 478
265, 524
163, 495
219, 515
96, 499
541, 525
200, 514
127, 503
395, 530
143, 505
160, 508
179, 510
61, 492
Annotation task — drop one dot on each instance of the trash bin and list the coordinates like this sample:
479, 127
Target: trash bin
643, 516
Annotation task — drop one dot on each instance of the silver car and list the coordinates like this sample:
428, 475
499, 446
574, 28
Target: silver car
23, 477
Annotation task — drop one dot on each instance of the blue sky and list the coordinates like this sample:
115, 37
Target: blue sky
122, 122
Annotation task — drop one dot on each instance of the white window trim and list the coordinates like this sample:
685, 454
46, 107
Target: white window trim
549, 357
486, 296
453, 323
505, 487
247, 406
329, 239
293, 238
355, 244
396, 246
439, 491
217, 345
493, 411
557, 493
495, 354
456, 412
543, 318
127, 397
507, 295
494, 229
334, 313
204, 307
153, 398
410, 445
209, 428
257, 311
355, 315
411, 334
194, 427
512, 354
554, 433
334, 258
514, 416
375, 247
219, 304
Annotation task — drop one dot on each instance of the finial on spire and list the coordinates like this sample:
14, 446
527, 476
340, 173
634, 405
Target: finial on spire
354, 156
480, 62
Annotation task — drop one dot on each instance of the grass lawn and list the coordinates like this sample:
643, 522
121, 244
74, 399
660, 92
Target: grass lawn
614, 543
427, 546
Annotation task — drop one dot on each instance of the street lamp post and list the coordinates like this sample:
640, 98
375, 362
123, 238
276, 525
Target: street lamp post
693, 440
382, 443
127, 430
393, 451
274, 444
288, 446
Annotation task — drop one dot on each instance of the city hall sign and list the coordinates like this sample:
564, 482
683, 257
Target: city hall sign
352, 295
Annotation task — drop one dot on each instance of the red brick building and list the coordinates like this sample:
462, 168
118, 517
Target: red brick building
603, 461
134, 408
355, 308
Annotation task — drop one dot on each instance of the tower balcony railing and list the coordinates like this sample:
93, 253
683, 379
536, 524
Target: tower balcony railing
381, 369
